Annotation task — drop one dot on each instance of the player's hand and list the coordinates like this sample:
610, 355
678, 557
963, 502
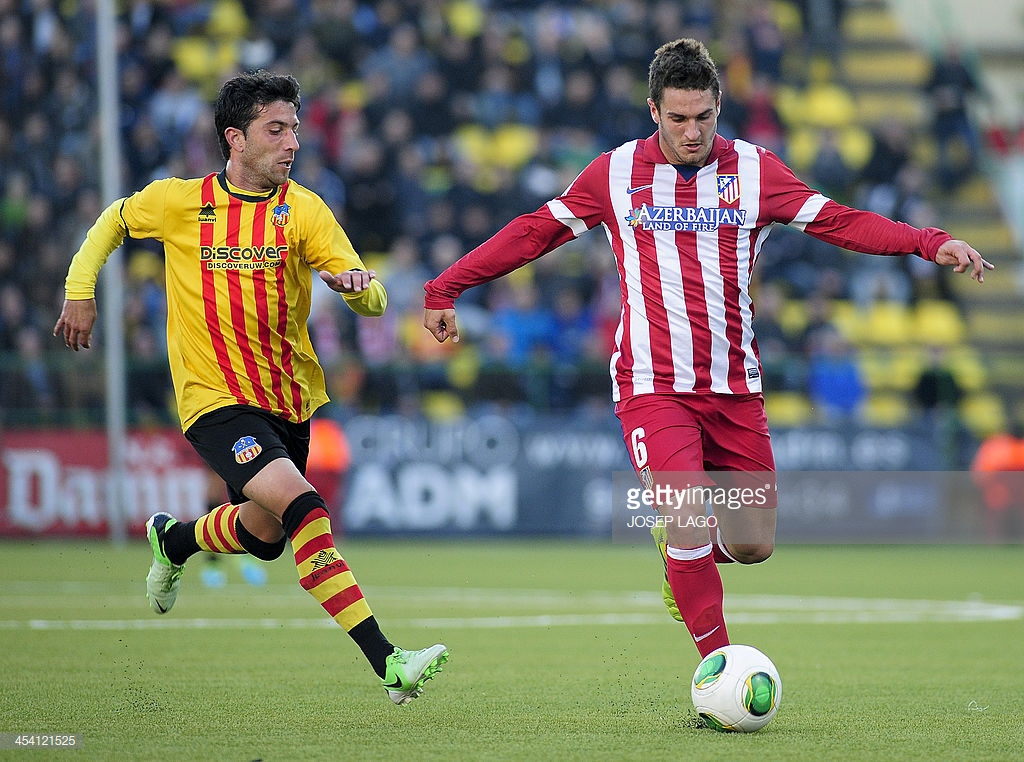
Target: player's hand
75, 323
441, 324
348, 282
962, 257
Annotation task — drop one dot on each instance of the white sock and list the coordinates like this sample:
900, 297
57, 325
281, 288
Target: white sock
688, 554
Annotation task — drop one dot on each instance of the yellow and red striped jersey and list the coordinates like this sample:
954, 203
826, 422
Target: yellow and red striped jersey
239, 279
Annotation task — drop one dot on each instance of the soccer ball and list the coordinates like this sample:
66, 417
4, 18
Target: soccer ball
736, 688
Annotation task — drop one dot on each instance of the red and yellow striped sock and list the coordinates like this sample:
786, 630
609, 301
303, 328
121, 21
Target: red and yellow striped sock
324, 574
215, 532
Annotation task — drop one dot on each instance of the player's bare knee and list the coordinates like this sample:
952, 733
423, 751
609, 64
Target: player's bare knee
751, 553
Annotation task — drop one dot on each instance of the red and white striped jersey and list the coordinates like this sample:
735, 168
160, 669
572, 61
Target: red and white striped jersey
685, 250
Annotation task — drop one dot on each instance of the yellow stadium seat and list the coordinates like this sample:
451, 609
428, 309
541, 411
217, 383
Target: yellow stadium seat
352, 96
905, 368
983, 413
938, 323
886, 410
967, 367
788, 409
847, 320
830, 105
442, 406
789, 104
192, 57
473, 142
788, 18
793, 316
874, 368
887, 323
465, 18
513, 145
892, 370
463, 369
201, 60
801, 148
855, 146
228, 19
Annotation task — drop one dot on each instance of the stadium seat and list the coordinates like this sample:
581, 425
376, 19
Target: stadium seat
855, 146
203, 59
938, 322
826, 102
847, 320
793, 317
887, 323
441, 406
874, 368
228, 20
466, 19
473, 142
788, 18
891, 370
968, 368
788, 409
789, 105
513, 145
886, 410
983, 413
801, 147
463, 369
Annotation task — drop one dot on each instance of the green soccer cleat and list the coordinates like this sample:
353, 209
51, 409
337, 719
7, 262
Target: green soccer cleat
164, 578
407, 671
660, 536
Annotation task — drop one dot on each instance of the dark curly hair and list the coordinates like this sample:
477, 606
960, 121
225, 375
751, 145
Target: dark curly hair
241, 99
683, 64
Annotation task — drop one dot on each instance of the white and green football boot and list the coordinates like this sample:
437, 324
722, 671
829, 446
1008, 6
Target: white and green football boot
164, 578
407, 671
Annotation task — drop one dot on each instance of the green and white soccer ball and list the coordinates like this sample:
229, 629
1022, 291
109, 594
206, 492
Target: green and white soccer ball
736, 688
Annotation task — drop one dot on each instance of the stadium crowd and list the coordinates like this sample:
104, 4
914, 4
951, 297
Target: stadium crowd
425, 124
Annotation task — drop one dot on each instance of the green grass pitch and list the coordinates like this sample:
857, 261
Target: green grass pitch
560, 651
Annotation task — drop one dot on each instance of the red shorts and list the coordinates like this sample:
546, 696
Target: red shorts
715, 437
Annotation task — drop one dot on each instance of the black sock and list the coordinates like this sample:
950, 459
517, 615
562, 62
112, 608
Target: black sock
373, 644
180, 542
254, 546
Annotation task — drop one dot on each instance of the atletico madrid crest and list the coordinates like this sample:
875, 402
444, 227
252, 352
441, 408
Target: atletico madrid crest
729, 188
281, 214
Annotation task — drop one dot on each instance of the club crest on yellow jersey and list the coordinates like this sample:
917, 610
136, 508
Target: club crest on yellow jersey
282, 213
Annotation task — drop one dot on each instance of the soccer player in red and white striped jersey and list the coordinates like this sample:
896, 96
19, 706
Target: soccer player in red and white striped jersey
240, 247
686, 213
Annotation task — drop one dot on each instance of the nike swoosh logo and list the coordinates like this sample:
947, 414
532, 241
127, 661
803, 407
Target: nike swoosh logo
395, 685
638, 188
699, 638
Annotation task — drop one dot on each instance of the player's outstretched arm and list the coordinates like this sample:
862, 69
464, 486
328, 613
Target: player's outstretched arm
441, 324
363, 293
75, 323
963, 257
348, 282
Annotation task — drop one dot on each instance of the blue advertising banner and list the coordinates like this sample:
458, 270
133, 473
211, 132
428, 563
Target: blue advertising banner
499, 474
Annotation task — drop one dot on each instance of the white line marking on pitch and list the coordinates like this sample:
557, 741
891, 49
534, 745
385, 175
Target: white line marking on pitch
739, 609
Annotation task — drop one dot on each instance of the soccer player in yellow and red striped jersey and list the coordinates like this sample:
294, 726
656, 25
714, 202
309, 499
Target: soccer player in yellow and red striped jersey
240, 247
